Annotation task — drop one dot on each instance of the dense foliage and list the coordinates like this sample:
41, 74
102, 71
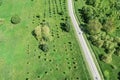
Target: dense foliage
100, 20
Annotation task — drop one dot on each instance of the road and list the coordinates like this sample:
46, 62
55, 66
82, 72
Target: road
87, 53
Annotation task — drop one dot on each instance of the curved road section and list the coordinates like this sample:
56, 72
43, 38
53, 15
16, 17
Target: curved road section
88, 56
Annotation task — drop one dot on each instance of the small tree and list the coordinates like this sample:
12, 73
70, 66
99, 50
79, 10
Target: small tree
94, 26
118, 75
107, 58
109, 46
90, 2
37, 33
109, 26
15, 19
44, 47
117, 52
46, 35
65, 27
60, 13
86, 13
117, 39
98, 43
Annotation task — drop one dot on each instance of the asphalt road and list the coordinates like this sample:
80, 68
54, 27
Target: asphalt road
88, 56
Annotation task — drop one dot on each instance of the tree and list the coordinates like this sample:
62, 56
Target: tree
98, 43
42, 34
90, 2
109, 26
87, 13
117, 51
37, 32
44, 47
109, 47
117, 4
45, 31
94, 26
103, 35
118, 75
15, 19
107, 58
117, 39
61, 13
93, 37
65, 27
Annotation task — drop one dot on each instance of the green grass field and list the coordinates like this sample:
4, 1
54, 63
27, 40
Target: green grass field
20, 57
113, 68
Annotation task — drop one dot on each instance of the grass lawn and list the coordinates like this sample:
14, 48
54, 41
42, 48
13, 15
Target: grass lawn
20, 57
113, 72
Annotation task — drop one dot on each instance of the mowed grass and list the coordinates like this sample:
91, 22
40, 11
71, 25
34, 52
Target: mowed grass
20, 57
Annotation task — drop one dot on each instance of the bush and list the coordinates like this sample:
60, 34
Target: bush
44, 47
15, 19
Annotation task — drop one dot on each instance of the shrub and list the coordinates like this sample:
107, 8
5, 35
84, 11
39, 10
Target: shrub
15, 19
